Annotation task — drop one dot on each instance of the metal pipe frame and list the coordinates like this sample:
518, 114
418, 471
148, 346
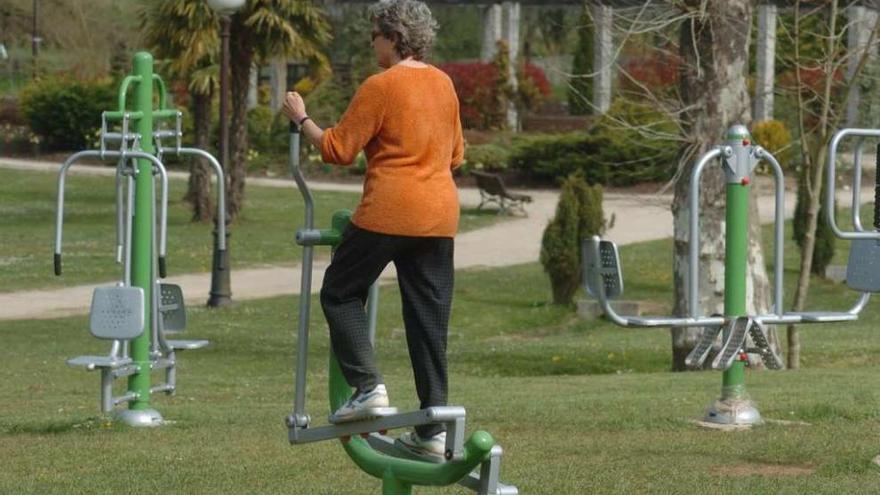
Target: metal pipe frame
300, 418
59, 217
778, 230
221, 182
830, 176
694, 233
647, 321
484, 482
448, 415
779, 316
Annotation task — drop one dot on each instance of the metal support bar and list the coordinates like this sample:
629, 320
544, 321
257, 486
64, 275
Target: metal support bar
221, 186
62, 174
830, 204
126, 397
106, 390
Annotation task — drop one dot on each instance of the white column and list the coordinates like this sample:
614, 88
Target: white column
603, 54
513, 18
278, 83
252, 86
491, 31
766, 66
861, 23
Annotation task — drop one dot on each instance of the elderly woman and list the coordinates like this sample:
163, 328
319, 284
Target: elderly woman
406, 120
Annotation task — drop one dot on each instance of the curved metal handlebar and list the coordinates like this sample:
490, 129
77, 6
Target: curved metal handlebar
694, 234
122, 155
694, 241
221, 187
300, 418
830, 174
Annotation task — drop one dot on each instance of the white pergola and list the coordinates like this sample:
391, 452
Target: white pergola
501, 21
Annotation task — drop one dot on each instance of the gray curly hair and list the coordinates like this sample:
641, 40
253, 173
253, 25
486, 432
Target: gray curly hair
409, 23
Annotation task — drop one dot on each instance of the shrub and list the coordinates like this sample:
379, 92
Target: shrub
625, 146
267, 131
327, 101
635, 143
580, 87
579, 215
823, 251
549, 158
488, 157
774, 137
65, 112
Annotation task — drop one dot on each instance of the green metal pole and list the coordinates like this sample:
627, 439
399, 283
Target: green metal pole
735, 261
142, 231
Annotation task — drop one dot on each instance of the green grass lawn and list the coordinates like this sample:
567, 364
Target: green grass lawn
263, 235
579, 407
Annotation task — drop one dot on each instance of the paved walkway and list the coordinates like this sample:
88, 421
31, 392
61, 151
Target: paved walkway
638, 217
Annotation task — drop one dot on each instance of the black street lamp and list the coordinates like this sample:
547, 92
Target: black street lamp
221, 284
35, 40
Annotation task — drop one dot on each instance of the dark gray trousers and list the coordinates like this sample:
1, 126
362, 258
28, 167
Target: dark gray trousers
425, 275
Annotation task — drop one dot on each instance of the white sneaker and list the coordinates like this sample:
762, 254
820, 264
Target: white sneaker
434, 448
363, 405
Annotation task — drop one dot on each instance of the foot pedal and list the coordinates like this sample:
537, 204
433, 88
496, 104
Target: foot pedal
365, 415
759, 338
698, 355
737, 331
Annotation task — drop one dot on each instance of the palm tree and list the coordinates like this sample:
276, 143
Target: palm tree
187, 32
183, 34
261, 30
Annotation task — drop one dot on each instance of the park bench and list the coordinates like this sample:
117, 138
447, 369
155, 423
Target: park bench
492, 190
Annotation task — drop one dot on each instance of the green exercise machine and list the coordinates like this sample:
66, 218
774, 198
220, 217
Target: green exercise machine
140, 301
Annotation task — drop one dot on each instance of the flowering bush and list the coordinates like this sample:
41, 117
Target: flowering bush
477, 83
658, 72
474, 83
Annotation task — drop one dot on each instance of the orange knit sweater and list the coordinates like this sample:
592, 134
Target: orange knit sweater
406, 120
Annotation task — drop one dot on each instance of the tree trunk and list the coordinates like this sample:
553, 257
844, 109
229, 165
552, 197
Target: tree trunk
241, 59
714, 49
815, 167
198, 193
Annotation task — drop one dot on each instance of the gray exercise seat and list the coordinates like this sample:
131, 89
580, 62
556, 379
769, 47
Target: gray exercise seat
117, 314
172, 318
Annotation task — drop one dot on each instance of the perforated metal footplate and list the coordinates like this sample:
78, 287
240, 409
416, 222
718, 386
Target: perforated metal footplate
117, 313
698, 355
365, 414
172, 307
736, 338
601, 266
762, 345
188, 345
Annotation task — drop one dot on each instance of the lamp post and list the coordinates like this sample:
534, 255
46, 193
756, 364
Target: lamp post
35, 40
221, 286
